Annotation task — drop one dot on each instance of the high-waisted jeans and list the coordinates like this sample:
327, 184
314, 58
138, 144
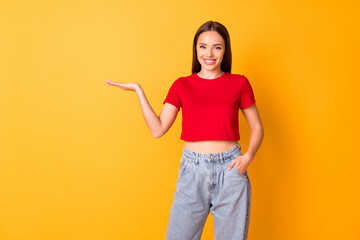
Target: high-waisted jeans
205, 185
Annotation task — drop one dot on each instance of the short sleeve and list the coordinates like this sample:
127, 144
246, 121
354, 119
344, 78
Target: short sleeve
172, 96
247, 97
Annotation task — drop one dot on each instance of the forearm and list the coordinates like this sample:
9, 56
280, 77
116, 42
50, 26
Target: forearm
152, 120
256, 138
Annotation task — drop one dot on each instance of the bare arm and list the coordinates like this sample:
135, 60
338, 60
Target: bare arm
257, 132
252, 117
158, 125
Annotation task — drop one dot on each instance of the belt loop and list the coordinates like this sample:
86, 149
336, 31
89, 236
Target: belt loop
196, 158
221, 159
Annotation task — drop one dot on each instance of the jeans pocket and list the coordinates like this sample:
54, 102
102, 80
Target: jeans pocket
237, 170
183, 164
240, 174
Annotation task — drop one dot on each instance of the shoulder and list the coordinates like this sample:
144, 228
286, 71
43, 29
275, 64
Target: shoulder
239, 79
183, 78
187, 77
177, 84
180, 81
237, 76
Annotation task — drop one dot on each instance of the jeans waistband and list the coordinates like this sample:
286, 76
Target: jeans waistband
213, 157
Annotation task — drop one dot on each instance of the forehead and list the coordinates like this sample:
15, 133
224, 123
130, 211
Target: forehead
210, 37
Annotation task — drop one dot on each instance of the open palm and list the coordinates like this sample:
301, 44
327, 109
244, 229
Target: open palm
126, 86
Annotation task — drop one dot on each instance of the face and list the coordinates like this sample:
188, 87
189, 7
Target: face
210, 49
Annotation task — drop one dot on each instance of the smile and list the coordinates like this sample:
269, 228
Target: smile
209, 61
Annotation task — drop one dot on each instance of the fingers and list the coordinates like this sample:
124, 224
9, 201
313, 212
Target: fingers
108, 82
236, 162
231, 165
111, 82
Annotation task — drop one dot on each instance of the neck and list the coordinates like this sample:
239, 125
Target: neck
210, 75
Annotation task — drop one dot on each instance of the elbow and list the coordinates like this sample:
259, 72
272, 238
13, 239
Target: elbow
258, 129
157, 134
261, 130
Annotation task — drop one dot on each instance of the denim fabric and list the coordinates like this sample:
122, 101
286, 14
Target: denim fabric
205, 185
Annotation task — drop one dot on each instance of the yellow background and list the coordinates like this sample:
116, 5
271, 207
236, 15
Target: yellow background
77, 160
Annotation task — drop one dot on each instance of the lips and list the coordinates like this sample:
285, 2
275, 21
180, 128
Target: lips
209, 61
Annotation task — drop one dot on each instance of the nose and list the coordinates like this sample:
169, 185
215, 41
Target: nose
209, 52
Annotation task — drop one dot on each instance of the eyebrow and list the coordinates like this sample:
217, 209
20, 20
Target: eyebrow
214, 44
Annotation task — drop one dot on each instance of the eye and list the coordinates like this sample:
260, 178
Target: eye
201, 46
218, 48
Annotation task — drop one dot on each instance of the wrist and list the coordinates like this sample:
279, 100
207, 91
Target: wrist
249, 156
138, 89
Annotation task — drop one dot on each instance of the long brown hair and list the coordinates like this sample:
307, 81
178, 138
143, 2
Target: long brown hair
221, 29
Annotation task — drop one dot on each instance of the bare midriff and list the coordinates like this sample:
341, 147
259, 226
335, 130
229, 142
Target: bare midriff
209, 146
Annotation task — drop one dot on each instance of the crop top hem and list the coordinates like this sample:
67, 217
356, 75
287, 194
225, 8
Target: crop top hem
209, 138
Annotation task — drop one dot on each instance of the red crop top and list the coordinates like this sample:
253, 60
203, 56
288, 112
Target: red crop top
210, 107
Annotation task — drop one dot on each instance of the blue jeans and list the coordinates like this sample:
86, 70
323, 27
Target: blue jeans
205, 185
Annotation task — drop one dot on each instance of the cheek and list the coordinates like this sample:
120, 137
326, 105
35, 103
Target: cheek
221, 55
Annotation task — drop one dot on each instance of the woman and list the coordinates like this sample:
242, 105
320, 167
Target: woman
213, 172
